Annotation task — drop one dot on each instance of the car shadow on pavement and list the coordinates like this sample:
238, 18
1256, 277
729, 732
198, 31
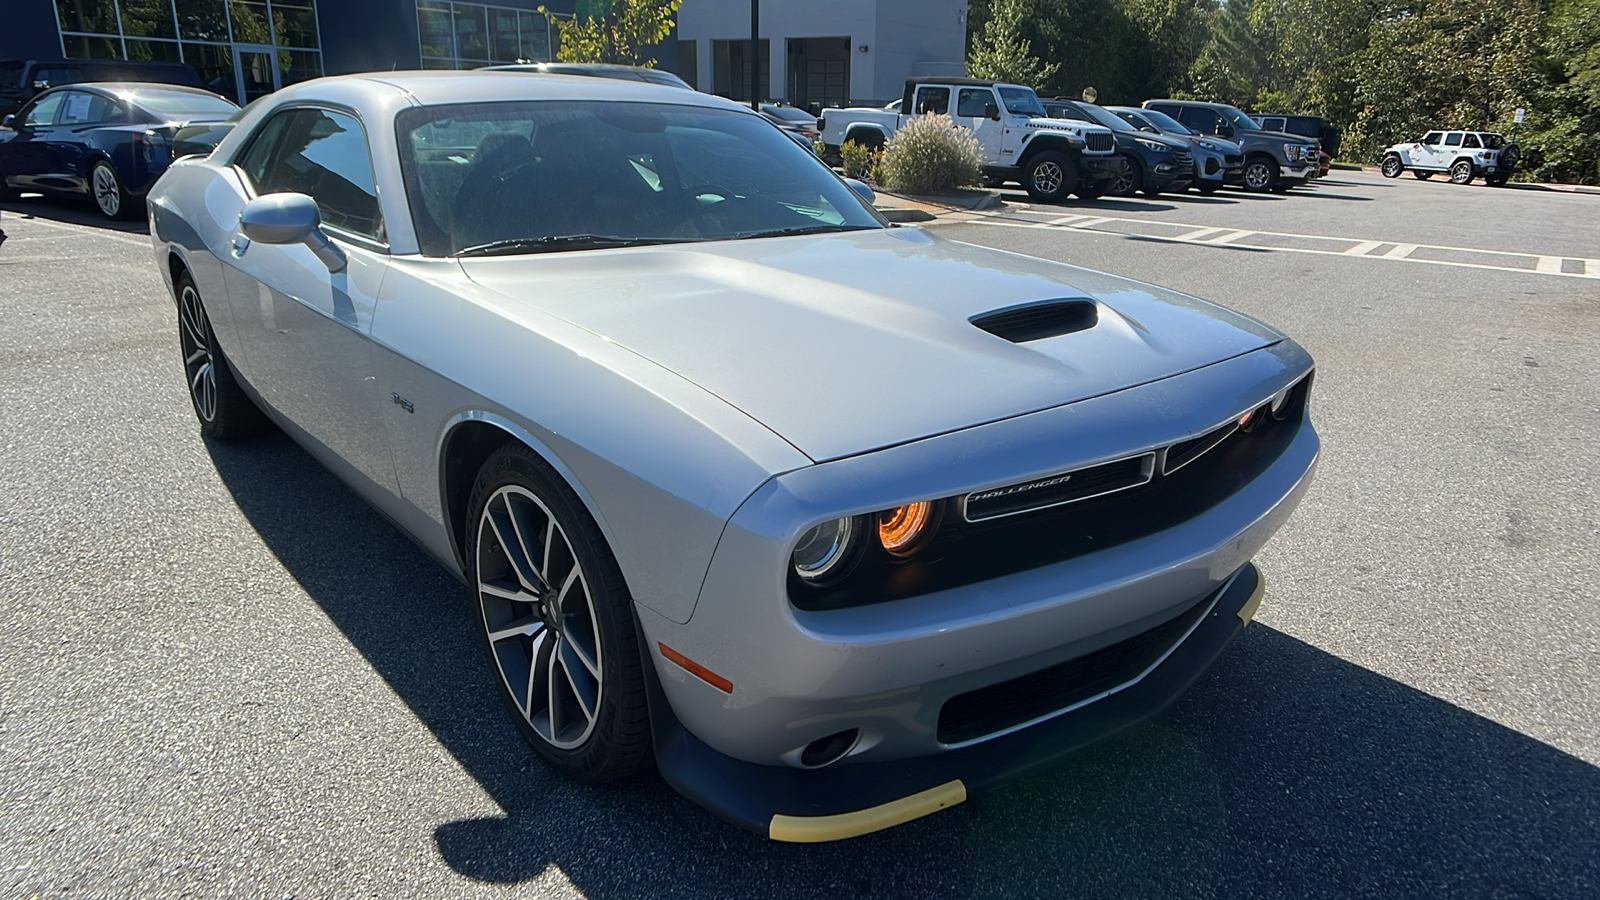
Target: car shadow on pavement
69, 212
1286, 772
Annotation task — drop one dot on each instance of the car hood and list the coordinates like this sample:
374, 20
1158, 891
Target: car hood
1281, 136
846, 343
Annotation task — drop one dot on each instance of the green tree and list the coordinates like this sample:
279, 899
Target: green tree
620, 32
1002, 53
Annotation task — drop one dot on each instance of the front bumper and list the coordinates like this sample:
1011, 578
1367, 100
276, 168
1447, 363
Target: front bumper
844, 801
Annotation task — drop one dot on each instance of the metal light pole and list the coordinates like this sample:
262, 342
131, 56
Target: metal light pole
755, 55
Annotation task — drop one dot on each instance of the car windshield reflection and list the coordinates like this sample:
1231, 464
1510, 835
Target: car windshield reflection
536, 177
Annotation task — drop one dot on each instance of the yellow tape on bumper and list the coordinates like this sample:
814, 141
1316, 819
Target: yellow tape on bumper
812, 829
1248, 610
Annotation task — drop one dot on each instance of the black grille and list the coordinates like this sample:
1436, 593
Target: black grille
1008, 704
1040, 320
1184, 160
1058, 489
1101, 142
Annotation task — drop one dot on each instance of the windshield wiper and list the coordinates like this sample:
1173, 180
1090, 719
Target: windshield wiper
805, 229
553, 242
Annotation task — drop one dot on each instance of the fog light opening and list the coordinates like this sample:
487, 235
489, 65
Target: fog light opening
828, 750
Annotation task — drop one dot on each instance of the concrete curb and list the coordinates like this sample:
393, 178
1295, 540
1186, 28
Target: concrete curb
927, 207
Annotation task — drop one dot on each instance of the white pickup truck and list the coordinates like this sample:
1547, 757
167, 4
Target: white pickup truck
1051, 158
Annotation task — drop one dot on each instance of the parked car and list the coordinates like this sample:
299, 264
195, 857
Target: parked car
597, 70
1051, 158
628, 384
23, 79
1154, 163
1464, 155
1273, 160
1326, 135
790, 118
204, 136
105, 142
1216, 161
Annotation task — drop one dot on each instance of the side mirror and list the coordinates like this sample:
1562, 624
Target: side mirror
290, 219
9, 121
991, 111
862, 190
1225, 130
41, 85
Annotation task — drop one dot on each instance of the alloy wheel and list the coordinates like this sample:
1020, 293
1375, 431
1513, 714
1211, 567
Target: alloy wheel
1048, 177
1461, 172
107, 193
1257, 176
540, 617
1124, 185
199, 365
1392, 167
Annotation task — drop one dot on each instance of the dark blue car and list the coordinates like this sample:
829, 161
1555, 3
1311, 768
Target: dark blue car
105, 141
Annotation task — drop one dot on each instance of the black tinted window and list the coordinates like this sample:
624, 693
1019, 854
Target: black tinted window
324, 155
933, 100
1453, 139
1200, 119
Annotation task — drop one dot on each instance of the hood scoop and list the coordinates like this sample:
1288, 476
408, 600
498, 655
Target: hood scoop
1037, 321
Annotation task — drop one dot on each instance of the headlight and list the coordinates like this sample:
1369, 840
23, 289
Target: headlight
904, 529
1291, 152
826, 551
1208, 145
1157, 146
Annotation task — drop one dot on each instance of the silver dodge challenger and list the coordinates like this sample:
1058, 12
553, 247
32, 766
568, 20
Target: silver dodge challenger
838, 521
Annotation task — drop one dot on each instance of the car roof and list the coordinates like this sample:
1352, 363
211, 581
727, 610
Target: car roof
599, 70
429, 87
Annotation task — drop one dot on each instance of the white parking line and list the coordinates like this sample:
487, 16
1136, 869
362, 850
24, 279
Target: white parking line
1199, 236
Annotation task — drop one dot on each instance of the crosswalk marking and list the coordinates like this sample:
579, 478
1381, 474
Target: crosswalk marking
1229, 237
1090, 223
1198, 234
1549, 265
1401, 251
1363, 248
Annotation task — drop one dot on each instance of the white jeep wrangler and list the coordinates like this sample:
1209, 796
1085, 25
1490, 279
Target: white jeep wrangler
1465, 155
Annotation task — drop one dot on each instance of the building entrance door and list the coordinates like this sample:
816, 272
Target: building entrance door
255, 67
819, 73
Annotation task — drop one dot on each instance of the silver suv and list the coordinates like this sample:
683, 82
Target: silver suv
1465, 155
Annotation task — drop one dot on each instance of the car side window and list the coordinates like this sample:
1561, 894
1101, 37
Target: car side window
56, 77
933, 100
324, 155
1471, 140
1431, 138
43, 113
973, 103
84, 108
1274, 123
1198, 119
1453, 139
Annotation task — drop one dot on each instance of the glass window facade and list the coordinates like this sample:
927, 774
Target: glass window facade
470, 35
201, 33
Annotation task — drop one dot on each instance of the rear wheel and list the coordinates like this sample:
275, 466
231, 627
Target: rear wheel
1392, 167
1049, 176
1461, 172
1131, 180
557, 620
224, 410
1260, 174
109, 197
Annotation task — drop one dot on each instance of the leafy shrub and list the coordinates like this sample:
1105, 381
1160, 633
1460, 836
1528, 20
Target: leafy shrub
931, 153
857, 159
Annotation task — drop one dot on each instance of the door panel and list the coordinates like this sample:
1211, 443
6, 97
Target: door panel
970, 111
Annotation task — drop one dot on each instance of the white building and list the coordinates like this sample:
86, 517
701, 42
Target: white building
821, 53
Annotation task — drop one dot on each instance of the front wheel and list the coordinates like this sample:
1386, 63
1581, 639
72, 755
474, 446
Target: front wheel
109, 197
1130, 181
1260, 174
1392, 167
1050, 176
1461, 172
557, 620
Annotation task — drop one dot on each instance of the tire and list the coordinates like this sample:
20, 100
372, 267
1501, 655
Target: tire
1260, 174
1130, 182
1461, 172
105, 189
569, 670
1050, 176
1421, 176
225, 412
1392, 167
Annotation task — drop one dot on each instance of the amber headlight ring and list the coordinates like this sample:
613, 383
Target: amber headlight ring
905, 530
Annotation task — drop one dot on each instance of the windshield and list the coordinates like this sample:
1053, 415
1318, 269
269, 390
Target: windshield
1101, 117
1165, 123
1021, 102
531, 177
788, 113
183, 104
1237, 119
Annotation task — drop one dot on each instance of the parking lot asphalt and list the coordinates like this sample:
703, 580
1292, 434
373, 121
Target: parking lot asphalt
222, 674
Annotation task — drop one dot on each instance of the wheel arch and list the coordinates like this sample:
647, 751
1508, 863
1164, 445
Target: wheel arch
874, 131
465, 444
1043, 142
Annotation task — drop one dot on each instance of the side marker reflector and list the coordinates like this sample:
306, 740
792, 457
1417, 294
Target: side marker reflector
814, 829
697, 670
